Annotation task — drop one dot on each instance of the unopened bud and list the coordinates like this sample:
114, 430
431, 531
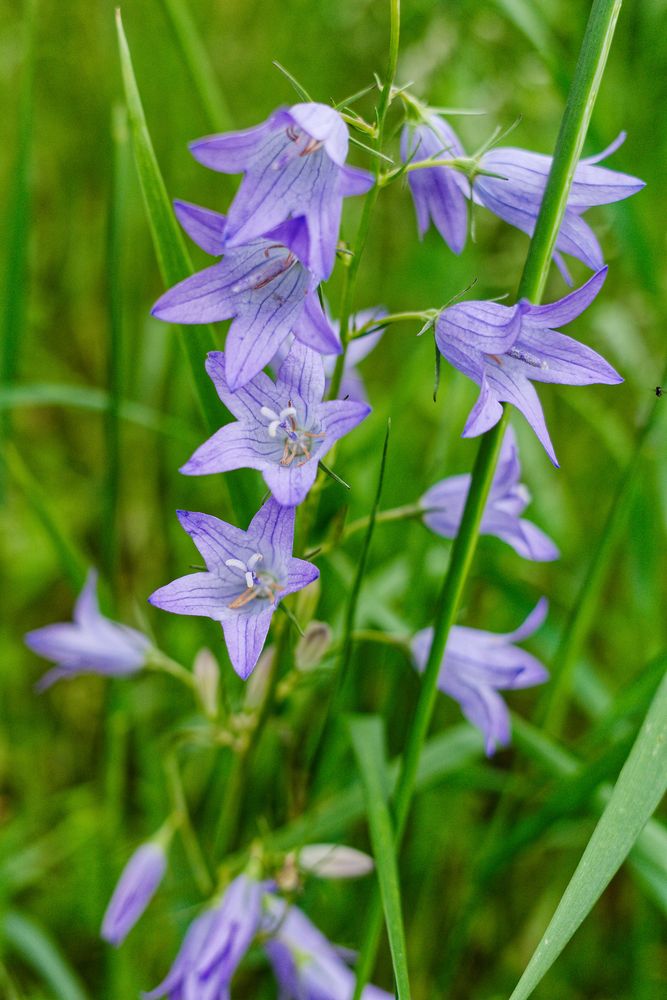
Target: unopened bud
334, 861
258, 680
307, 600
207, 677
312, 646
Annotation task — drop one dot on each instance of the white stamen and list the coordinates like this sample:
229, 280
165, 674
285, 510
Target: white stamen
254, 559
269, 414
235, 564
289, 411
273, 428
249, 580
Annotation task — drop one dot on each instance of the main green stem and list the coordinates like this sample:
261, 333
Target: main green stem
574, 125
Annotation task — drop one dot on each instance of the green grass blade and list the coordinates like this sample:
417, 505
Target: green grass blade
638, 791
27, 940
367, 735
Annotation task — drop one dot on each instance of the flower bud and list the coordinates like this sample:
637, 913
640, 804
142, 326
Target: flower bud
312, 646
334, 861
207, 676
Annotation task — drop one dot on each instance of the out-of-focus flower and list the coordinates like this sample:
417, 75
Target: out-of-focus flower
293, 165
248, 574
306, 964
263, 285
134, 891
508, 498
478, 664
215, 945
283, 429
334, 861
89, 644
504, 348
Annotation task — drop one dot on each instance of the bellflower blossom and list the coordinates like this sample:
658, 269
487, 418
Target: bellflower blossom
134, 891
439, 193
282, 429
478, 664
516, 195
90, 644
248, 573
293, 165
215, 945
508, 498
263, 286
306, 964
504, 348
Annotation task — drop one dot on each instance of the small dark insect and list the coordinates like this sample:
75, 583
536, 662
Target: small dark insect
658, 390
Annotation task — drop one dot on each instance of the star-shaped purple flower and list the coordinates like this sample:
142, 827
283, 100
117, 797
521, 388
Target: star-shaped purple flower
135, 889
508, 498
478, 664
516, 195
283, 429
439, 193
90, 644
248, 574
214, 945
263, 286
293, 165
504, 348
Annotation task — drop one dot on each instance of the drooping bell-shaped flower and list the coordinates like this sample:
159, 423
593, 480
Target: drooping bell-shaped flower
248, 573
90, 643
293, 165
478, 664
505, 348
508, 498
283, 429
135, 889
263, 286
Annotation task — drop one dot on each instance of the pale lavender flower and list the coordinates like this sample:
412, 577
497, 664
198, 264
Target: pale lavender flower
306, 964
214, 946
283, 429
508, 498
504, 348
248, 574
134, 891
478, 664
439, 193
263, 286
516, 195
89, 644
293, 165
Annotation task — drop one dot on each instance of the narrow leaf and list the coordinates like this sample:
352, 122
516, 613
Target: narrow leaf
32, 944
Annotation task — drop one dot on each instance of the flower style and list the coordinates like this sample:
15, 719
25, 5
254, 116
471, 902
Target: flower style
283, 429
293, 165
90, 644
263, 286
503, 348
439, 193
478, 664
134, 891
215, 945
248, 574
516, 195
508, 498
306, 964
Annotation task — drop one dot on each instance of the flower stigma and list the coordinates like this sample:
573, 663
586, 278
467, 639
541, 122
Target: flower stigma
257, 584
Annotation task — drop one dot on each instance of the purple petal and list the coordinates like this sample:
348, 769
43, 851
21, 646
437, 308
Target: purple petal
436, 191
338, 417
485, 326
135, 889
578, 239
566, 361
291, 484
509, 385
247, 401
300, 574
525, 538
87, 609
273, 526
531, 624
313, 329
204, 227
202, 298
354, 181
486, 412
234, 446
231, 152
202, 594
295, 235
562, 312
324, 124
216, 540
245, 635
302, 373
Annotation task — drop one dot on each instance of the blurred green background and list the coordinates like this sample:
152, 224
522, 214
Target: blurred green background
81, 766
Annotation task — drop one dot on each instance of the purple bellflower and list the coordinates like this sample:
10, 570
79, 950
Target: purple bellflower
89, 644
439, 193
516, 195
248, 573
282, 429
508, 498
134, 891
263, 286
293, 166
306, 964
214, 946
478, 664
504, 348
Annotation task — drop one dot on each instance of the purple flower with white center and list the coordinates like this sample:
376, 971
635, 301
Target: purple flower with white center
478, 664
248, 573
214, 946
89, 644
283, 429
516, 195
306, 964
504, 348
293, 165
263, 286
439, 193
508, 498
134, 891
